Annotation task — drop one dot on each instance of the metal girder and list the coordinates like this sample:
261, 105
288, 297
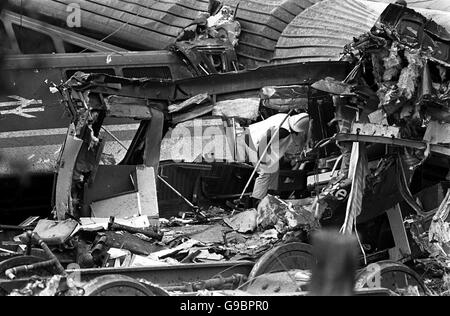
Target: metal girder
220, 85
393, 142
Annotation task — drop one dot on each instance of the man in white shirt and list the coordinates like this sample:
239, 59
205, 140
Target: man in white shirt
294, 131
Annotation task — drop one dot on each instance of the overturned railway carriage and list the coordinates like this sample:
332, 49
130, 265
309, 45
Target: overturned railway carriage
262, 24
321, 31
144, 25
25, 35
155, 25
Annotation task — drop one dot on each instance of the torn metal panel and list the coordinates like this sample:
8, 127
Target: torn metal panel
416, 30
127, 107
155, 133
64, 182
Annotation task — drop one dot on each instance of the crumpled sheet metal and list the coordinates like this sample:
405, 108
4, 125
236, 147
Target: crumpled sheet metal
412, 86
440, 227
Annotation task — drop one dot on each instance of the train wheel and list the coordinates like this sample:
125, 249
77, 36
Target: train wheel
118, 285
295, 256
390, 275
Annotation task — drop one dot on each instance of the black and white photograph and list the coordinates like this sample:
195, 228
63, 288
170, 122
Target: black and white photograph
227, 155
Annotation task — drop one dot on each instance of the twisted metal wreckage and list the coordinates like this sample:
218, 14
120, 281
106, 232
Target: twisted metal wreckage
391, 118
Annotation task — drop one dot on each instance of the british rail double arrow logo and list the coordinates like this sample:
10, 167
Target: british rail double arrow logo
21, 107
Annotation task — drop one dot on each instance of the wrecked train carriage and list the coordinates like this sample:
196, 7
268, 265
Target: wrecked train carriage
392, 126
406, 59
33, 123
41, 56
92, 98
